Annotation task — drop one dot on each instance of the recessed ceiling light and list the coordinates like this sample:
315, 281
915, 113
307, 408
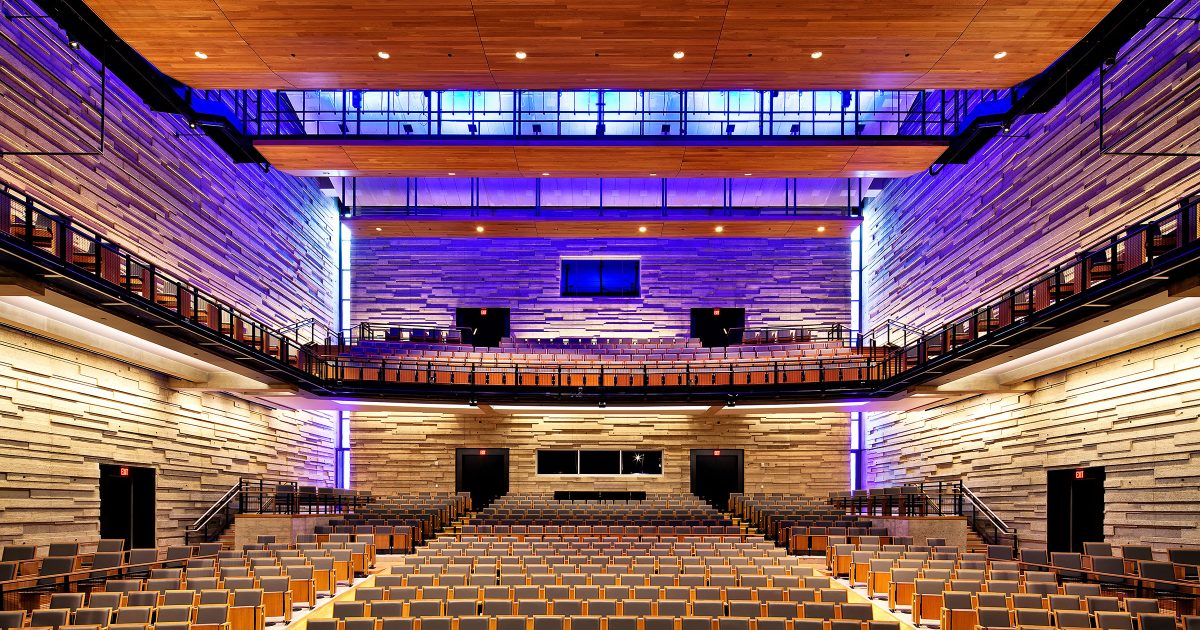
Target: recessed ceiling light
653, 174
200, 55
817, 54
378, 229
719, 229
820, 228
748, 174
383, 55
642, 229
478, 228
1000, 55
545, 174
450, 174
678, 54
521, 54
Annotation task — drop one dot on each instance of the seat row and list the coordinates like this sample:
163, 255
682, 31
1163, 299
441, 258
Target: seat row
63, 558
557, 622
223, 610
603, 608
385, 589
599, 544
610, 579
550, 561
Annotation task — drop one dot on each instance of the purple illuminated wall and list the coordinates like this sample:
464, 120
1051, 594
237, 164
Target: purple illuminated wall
262, 241
777, 281
938, 245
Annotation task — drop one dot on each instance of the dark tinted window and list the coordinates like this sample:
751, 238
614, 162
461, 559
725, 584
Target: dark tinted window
599, 462
557, 462
641, 462
592, 462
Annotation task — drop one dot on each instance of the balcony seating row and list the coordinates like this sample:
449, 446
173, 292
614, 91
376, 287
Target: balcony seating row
582, 622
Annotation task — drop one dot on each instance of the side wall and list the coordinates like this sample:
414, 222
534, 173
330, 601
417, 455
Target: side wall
1137, 414
777, 281
939, 245
936, 246
64, 411
264, 242
398, 453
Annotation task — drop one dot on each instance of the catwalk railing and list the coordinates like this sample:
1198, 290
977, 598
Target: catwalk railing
930, 114
47, 231
57, 244
1170, 234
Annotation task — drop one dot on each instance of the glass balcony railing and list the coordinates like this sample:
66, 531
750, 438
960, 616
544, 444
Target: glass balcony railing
929, 114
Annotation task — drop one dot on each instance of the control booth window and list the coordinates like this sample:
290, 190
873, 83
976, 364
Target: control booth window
593, 462
596, 277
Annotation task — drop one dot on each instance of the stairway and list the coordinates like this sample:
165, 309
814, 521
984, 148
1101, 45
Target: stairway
226, 538
975, 543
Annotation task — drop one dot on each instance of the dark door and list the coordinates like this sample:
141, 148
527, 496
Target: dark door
483, 472
482, 326
127, 505
1074, 508
716, 474
716, 327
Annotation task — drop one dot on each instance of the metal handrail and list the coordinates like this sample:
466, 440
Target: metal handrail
297, 325
832, 332
892, 323
1121, 254
987, 511
216, 508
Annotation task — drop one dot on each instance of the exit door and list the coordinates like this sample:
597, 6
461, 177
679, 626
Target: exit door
127, 505
1074, 508
717, 327
482, 326
716, 474
483, 472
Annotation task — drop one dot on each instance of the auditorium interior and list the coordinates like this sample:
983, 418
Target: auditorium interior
578, 315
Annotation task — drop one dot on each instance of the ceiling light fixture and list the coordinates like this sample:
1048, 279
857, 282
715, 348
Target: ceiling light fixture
719, 229
383, 55
378, 229
678, 54
200, 55
820, 228
479, 228
748, 174
642, 229
1000, 55
450, 174
520, 54
545, 174
73, 43
817, 54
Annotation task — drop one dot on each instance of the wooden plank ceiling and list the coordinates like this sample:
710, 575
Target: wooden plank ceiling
619, 44
783, 227
397, 159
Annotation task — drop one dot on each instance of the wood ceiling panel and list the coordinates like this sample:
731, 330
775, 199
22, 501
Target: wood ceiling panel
698, 228
465, 44
383, 159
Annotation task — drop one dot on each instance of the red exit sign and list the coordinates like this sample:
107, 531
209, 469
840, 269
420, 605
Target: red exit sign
123, 471
1079, 473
